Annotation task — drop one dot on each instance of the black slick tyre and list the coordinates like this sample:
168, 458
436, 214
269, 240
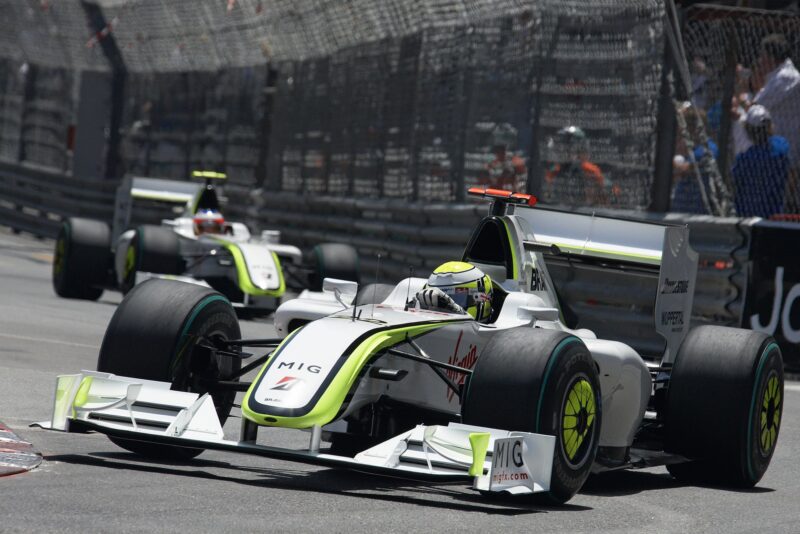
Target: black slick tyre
153, 249
542, 381
334, 260
156, 334
724, 406
81, 259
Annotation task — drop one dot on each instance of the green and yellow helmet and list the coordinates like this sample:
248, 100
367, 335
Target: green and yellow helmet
466, 285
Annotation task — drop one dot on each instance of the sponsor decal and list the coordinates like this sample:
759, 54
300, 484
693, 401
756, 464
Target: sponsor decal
286, 383
537, 280
294, 366
467, 361
671, 287
508, 467
672, 319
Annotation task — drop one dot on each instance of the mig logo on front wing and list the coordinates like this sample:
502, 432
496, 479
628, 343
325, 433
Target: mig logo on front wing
286, 383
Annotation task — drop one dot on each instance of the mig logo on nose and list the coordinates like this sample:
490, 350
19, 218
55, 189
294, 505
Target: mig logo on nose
286, 383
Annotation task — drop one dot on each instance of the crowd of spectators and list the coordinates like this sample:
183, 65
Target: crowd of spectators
765, 137
763, 174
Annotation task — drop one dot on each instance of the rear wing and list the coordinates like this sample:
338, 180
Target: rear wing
166, 198
610, 274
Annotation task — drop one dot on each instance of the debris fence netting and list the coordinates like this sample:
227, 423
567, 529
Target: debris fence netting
739, 139
470, 101
406, 99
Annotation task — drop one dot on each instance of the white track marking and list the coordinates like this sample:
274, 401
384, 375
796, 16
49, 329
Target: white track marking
793, 386
45, 340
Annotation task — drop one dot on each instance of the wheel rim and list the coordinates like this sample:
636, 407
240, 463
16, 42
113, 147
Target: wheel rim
58, 260
770, 414
579, 411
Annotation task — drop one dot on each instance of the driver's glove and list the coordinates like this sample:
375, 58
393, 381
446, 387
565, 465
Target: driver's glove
433, 298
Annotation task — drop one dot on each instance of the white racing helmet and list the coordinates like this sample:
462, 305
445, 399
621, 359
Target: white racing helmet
467, 285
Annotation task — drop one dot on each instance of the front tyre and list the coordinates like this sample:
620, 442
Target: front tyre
160, 332
549, 385
724, 405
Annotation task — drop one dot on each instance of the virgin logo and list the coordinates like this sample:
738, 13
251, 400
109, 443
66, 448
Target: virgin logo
467, 362
791, 334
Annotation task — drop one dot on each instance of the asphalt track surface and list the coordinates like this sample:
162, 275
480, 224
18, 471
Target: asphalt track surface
87, 484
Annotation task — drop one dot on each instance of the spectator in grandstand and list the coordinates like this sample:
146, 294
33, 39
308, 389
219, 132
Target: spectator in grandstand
690, 167
759, 174
575, 180
780, 91
506, 170
742, 99
699, 74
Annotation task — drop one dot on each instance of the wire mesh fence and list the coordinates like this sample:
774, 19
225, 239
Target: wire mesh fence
408, 99
745, 98
467, 101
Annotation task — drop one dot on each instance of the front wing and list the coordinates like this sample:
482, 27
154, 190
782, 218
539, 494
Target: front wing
494, 460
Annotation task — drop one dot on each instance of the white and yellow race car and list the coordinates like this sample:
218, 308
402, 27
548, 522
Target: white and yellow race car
521, 403
198, 246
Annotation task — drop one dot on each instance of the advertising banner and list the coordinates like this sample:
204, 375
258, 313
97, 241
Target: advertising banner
774, 287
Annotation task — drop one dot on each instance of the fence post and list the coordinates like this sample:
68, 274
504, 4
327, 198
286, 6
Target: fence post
97, 22
28, 93
666, 125
545, 65
266, 123
728, 87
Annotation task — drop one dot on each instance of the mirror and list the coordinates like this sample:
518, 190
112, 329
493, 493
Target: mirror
343, 290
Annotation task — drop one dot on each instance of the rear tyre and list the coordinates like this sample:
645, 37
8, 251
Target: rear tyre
724, 405
81, 259
334, 260
156, 333
549, 385
153, 249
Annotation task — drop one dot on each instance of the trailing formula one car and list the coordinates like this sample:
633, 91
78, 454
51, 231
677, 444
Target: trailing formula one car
198, 246
513, 400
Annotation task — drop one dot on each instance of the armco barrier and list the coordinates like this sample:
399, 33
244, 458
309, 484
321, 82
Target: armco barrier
35, 200
404, 234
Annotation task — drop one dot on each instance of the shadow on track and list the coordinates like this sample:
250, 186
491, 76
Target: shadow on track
328, 481
631, 482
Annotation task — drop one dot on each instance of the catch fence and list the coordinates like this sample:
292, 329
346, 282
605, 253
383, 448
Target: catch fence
403, 99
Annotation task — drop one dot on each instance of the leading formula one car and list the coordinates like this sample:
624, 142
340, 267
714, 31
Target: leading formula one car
198, 246
520, 403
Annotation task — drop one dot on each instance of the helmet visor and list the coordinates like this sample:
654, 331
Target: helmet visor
460, 295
